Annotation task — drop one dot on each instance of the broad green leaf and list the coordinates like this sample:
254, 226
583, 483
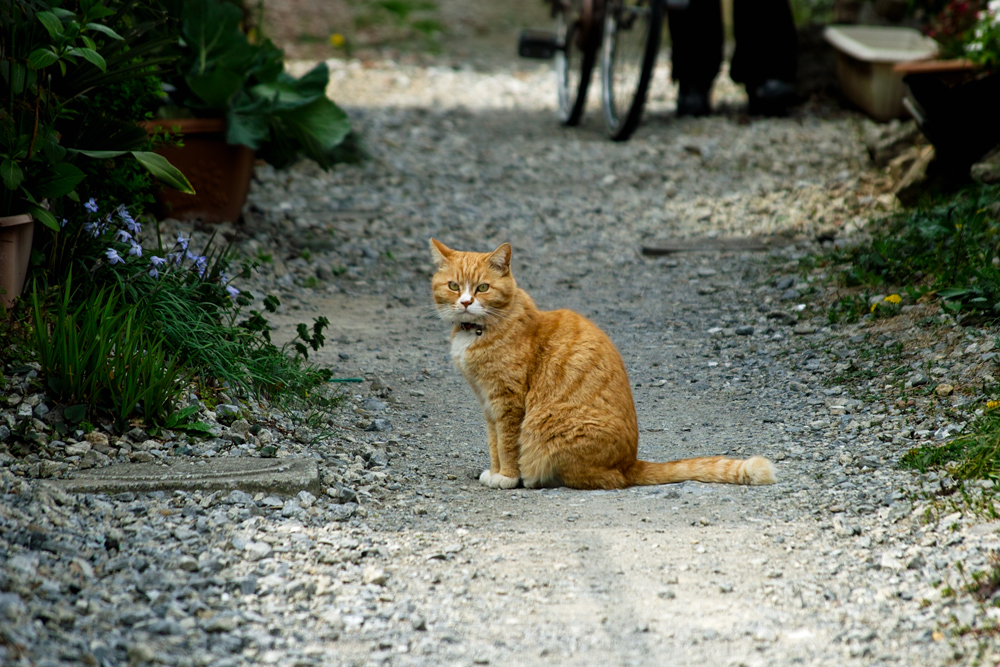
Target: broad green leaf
247, 121
75, 414
319, 127
62, 13
41, 58
314, 81
196, 427
100, 155
60, 180
44, 217
99, 12
49, 146
287, 92
212, 30
88, 42
268, 62
216, 88
90, 56
11, 173
162, 170
103, 29
17, 77
282, 94
51, 23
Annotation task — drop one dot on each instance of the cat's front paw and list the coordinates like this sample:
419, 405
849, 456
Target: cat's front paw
495, 480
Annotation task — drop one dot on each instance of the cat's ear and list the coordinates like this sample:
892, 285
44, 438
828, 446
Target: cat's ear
500, 259
440, 251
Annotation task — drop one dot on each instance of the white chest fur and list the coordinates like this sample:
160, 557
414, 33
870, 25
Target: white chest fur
460, 343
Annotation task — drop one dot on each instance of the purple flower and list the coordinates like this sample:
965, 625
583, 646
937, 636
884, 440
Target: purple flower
123, 236
157, 261
62, 223
135, 250
183, 242
113, 257
92, 228
233, 292
153, 273
129, 221
91, 205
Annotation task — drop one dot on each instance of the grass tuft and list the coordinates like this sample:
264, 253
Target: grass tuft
949, 248
975, 455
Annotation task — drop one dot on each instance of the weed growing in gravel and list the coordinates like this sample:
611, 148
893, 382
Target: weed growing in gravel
949, 249
975, 455
847, 309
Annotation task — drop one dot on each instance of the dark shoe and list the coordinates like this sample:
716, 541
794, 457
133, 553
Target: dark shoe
772, 97
693, 100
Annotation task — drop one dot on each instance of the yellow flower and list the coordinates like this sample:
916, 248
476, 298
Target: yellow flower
874, 306
992, 405
337, 40
893, 298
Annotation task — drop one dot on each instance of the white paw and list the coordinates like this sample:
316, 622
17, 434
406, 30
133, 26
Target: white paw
495, 480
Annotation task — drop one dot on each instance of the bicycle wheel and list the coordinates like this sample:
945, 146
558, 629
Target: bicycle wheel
631, 41
577, 43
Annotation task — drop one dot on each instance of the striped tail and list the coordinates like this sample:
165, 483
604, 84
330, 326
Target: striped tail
713, 469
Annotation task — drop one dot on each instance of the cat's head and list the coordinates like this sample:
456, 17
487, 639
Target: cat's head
473, 287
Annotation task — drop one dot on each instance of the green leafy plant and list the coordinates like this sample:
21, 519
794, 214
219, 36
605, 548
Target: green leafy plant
54, 58
180, 420
949, 248
315, 341
848, 309
220, 72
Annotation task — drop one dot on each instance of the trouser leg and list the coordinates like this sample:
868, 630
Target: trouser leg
766, 42
696, 42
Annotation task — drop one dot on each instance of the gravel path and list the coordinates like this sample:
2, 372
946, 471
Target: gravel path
406, 559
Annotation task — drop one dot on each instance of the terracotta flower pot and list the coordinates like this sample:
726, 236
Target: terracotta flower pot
219, 172
16, 233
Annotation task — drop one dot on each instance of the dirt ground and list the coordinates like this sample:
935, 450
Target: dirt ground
473, 33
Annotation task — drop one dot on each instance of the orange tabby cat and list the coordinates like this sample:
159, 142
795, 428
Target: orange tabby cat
553, 387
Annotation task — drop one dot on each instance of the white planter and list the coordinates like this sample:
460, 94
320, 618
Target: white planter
866, 56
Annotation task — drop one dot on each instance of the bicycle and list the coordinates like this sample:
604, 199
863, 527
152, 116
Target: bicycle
626, 34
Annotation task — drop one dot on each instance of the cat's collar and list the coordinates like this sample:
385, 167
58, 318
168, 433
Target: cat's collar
472, 326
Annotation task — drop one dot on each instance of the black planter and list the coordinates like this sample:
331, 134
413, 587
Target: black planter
958, 111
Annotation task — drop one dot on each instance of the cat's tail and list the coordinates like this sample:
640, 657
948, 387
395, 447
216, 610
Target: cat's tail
713, 469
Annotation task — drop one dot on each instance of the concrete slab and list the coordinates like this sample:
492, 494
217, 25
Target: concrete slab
285, 476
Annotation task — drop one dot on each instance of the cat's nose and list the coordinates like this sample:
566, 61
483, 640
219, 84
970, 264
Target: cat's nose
466, 302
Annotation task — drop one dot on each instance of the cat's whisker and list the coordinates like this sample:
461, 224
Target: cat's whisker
431, 310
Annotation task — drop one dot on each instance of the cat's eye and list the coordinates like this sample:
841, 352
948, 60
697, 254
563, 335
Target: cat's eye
453, 286
482, 288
